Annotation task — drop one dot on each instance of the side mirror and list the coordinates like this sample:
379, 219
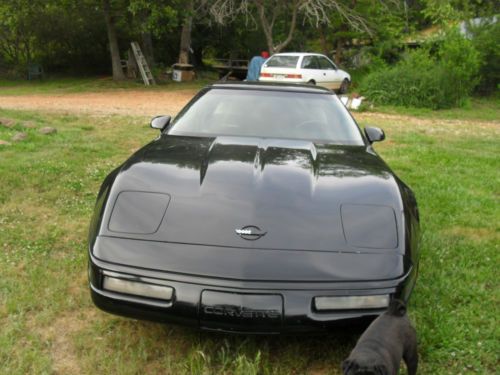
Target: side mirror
160, 122
374, 134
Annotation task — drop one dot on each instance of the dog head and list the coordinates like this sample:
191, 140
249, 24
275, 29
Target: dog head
352, 367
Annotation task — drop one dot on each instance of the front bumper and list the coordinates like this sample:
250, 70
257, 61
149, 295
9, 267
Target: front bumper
277, 307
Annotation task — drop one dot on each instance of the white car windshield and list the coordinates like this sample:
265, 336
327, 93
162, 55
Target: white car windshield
268, 114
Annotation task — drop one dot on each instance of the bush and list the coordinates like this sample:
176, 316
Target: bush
424, 80
485, 39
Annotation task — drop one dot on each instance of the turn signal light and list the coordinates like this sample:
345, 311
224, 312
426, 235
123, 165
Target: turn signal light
136, 288
351, 302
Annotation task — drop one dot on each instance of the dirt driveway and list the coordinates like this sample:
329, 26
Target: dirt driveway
120, 102
152, 103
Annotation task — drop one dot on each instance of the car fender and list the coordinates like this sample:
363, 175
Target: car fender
307, 77
344, 75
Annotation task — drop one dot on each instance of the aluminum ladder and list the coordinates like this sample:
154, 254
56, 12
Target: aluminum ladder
146, 75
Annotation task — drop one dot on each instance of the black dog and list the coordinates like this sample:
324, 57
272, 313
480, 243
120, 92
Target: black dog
384, 343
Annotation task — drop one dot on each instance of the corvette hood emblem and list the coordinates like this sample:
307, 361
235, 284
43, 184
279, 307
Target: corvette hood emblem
250, 232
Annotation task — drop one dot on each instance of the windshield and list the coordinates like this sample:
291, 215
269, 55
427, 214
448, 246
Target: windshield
268, 114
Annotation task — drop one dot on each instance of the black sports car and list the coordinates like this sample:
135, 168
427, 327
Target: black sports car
260, 208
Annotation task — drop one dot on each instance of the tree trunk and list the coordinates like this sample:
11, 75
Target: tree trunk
146, 38
186, 34
267, 26
339, 50
323, 41
113, 42
147, 45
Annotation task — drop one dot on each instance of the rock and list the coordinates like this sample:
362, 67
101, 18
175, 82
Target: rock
7, 122
48, 130
4, 143
29, 124
19, 137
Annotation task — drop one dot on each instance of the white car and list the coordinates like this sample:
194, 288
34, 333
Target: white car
311, 68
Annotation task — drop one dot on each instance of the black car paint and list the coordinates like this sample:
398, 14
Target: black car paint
219, 184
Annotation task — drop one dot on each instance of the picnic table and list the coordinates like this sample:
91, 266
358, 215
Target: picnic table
231, 68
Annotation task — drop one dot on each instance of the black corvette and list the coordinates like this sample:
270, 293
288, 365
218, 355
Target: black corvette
259, 209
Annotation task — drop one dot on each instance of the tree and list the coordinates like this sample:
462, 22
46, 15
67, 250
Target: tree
193, 9
155, 20
384, 25
113, 41
272, 13
17, 18
187, 26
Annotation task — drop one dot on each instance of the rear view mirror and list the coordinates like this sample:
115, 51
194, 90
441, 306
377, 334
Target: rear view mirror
160, 122
374, 134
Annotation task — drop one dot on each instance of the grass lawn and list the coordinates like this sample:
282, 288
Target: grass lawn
94, 84
483, 109
49, 325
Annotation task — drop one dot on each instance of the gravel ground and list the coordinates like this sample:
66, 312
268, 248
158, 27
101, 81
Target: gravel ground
149, 104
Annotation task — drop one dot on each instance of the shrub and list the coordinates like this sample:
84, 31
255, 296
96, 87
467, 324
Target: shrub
421, 79
459, 62
485, 39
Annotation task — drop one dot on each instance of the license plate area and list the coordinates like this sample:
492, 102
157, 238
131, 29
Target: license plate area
241, 312
279, 76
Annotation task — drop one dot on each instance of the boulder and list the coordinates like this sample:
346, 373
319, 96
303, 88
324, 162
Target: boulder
19, 137
7, 122
48, 130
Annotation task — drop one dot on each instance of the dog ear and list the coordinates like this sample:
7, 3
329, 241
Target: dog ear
347, 365
397, 308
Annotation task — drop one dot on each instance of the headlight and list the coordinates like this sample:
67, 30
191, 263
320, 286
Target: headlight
369, 226
138, 212
351, 302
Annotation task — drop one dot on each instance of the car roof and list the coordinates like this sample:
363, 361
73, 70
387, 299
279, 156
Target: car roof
271, 86
298, 54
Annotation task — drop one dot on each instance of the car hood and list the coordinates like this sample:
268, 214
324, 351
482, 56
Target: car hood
293, 192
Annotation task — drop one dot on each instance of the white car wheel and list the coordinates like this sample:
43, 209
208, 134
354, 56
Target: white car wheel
344, 86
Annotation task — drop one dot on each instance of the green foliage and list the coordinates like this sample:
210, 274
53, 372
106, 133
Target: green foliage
439, 11
157, 17
59, 34
459, 63
446, 11
424, 80
410, 83
485, 39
